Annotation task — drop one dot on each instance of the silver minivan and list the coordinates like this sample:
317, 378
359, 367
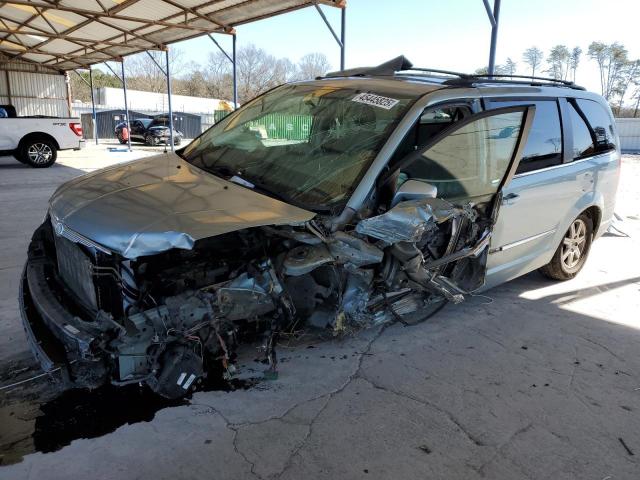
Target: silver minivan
365, 197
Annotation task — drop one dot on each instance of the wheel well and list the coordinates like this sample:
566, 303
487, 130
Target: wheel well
595, 215
38, 135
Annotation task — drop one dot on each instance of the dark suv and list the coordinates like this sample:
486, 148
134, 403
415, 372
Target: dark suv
152, 131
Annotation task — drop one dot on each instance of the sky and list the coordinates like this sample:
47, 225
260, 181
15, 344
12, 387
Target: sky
445, 34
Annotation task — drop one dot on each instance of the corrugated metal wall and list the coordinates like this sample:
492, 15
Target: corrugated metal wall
629, 131
33, 92
188, 124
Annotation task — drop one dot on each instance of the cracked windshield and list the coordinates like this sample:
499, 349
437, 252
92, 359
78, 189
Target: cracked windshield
303, 144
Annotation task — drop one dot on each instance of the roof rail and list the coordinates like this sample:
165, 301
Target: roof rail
435, 70
541, 81
526, 77
401, 65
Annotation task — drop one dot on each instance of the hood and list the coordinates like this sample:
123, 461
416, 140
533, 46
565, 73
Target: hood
152, 205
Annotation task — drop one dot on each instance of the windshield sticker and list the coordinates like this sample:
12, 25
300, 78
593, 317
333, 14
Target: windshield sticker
375, 100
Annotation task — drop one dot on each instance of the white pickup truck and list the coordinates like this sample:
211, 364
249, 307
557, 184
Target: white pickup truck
35, 141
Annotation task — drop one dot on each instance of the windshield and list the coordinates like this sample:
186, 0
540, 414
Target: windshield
306, 143
145, 122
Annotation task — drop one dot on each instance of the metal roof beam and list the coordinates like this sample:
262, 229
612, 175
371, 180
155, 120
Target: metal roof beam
77, 40
109, 14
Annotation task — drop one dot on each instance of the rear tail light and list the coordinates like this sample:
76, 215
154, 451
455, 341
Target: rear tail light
76, 128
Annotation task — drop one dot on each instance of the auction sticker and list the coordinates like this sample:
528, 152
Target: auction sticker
375, 100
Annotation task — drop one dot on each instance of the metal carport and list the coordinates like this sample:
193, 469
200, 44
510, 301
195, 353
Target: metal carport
66, 35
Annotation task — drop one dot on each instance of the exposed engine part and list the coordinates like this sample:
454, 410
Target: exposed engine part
180, 370
163, 319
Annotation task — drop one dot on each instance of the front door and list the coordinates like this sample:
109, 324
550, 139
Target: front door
471, 162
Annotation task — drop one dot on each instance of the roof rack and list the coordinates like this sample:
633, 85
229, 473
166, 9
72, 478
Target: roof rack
470, 80
528, 77
401, 65
435, 70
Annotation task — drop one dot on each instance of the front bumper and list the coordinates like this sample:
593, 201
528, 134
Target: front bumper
58, 340
166, 139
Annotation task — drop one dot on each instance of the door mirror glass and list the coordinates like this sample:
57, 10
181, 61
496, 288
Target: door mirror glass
414, 190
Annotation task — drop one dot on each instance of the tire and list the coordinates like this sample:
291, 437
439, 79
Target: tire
572, 252
38, 152
151, 140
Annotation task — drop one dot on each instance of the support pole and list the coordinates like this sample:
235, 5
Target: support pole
494, 18
126, 104
168, 70
93, 107
67, 81
232, 59
235, 74
343, 30
339, 41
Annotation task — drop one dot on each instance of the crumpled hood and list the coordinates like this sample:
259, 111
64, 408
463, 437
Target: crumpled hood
148, 206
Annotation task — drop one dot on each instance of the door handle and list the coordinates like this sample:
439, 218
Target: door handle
510, 198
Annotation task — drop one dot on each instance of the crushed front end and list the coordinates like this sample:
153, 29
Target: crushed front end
170, 319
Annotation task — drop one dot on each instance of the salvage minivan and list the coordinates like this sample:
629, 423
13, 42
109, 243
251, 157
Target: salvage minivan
367, 196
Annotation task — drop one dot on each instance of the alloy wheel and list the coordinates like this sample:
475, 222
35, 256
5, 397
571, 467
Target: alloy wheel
573, 244
39, 153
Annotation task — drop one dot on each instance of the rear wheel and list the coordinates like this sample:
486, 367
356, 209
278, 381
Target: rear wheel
38, 152
572, 252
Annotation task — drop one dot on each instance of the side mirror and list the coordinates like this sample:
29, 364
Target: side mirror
414, 190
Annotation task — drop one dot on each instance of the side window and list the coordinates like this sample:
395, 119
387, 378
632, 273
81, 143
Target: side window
544, 144
472, 160
435, 120
582, 142
601, 124
432, 121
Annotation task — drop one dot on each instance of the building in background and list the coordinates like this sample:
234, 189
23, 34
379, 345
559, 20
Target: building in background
192, 115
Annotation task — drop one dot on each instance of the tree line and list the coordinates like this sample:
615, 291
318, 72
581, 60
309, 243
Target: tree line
619, 75
257, 72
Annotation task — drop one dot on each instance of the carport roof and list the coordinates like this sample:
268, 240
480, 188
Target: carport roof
69, 34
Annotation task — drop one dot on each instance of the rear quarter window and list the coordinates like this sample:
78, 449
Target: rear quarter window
601, 124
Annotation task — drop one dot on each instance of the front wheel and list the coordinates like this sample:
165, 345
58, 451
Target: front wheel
38, 153
572, 252
151, 140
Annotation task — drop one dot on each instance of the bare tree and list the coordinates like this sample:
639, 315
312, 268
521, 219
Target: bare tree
192, 82
143, 74
312, 65
574, 61
636, 97
611, 59
80, 88
510, 67
629, 75
218, 76
257, 72
498, 70
533, 57
559, 60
